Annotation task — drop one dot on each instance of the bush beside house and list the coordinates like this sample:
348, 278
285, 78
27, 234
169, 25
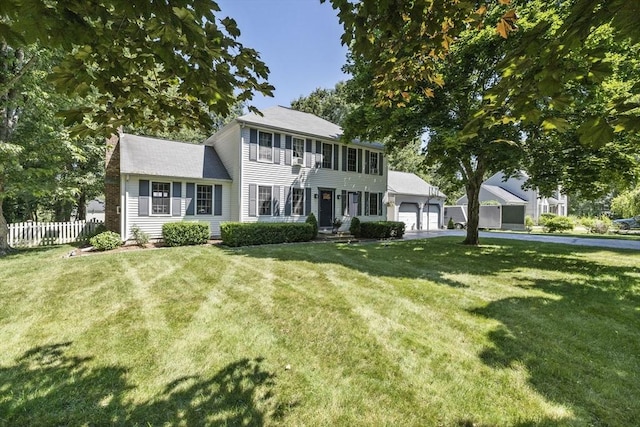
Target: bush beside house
382, 229
261, 233
185, 233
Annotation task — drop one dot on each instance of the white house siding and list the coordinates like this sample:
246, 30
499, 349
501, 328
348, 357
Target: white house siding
285, 176
227, 145
152, 224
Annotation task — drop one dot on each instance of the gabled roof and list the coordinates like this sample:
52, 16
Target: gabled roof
288, 120
411, 184
507, 196
153, 156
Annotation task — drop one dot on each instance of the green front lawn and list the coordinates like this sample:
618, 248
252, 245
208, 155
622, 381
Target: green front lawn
412, 333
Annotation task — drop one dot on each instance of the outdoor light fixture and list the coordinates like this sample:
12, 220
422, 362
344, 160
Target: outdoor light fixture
338, 196
315, 196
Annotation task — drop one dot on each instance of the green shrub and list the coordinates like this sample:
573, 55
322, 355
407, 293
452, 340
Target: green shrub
528, 223
597, 225
382, 229
354, 227
105, 241
263, 233
311, 219
558, 223
450, 224
185, 233
139, 236
542, 220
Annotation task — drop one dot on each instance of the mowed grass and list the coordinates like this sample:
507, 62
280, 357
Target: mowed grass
410, 333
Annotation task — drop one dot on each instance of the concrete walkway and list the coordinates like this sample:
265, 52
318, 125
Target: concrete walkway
568, 240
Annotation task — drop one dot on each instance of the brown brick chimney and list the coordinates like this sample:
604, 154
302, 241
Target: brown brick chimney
112, 185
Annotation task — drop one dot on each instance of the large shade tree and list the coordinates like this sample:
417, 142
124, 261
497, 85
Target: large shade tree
140, 63
399, 51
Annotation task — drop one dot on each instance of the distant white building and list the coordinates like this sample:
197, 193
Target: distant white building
511, 191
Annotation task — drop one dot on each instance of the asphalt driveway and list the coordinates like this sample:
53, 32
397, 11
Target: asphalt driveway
568, 240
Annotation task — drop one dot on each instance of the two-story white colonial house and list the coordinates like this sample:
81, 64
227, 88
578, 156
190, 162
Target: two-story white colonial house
280, 166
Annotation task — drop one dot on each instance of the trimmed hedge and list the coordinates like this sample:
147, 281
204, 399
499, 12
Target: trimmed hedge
354, 227
382, 229
558, 223
185, 233
311, 219
105, 241
264, 233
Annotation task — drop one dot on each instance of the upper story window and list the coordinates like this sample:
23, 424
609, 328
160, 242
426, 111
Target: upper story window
264, 200
204, 200
373, 163
160, 198
265, 146
298, 148
327, 156
352, 159
297, 201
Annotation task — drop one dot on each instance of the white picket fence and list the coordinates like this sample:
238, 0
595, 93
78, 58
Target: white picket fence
29, 234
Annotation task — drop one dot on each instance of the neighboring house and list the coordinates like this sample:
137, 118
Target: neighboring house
415, 202
95, 210
511, 192
280, 166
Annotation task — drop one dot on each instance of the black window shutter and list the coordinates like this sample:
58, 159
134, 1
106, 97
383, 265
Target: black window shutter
288, 145
176, 208
253, 144
191, 194
253, 193
367, 158
217, 200
359, 203
276, 200
380, 204
367, 211
359, 160
276, 148
287, 203
344, 201
344, 158
307, 201
336, 156
309, 150
380, 170
143, 197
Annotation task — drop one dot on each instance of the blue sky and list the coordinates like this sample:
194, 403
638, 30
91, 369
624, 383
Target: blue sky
299, 40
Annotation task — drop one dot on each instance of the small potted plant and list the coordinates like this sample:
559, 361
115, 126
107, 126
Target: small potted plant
337, 223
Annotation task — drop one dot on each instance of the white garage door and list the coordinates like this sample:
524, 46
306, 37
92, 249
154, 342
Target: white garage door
431, 217
409, 215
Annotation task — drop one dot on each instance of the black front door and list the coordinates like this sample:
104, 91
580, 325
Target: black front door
325, 208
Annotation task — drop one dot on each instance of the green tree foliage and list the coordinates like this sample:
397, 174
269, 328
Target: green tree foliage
627, 204
144, 62
330, 104
489, 99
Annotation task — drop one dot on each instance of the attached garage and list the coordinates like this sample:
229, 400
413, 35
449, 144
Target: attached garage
408, 213
431, 217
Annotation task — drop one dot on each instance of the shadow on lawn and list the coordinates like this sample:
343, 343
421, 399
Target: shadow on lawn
48, 387
579, 342
580, 345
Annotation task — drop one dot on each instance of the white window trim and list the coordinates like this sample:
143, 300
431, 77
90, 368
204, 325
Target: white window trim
198, 199
259, 146
330, 157
258, 214
151, 213
356, 159
374, 171
302, 190
293, 151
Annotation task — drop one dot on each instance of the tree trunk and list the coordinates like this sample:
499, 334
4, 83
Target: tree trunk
82, 207
4, 229
473, 208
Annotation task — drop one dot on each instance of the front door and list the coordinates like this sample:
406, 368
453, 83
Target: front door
325, 208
